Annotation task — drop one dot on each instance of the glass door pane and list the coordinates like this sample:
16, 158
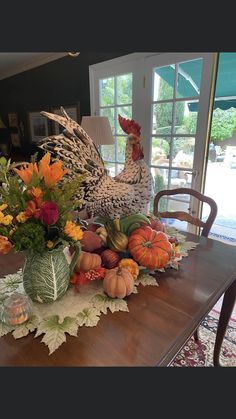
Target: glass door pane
175, 89
116, 97
221, 166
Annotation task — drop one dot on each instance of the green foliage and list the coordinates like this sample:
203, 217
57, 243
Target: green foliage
107, 91
163, 145
29, 236
158, 186
123, 97
14, 196
124, 90
164, 111
189, 124
63, 196
223, 124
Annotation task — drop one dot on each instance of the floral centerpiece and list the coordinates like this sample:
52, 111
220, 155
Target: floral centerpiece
36, 218
36, 209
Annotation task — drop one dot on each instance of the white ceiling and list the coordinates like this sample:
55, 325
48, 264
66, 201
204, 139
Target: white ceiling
12, 63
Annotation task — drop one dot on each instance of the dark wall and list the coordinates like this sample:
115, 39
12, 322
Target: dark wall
65, 80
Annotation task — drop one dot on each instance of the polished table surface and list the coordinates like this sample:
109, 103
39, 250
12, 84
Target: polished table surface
160, 319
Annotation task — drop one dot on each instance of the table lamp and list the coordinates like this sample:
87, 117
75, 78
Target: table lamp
99, 129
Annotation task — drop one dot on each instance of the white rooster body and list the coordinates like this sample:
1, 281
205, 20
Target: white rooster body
100, 194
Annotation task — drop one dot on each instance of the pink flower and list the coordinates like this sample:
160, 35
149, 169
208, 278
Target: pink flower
49, 213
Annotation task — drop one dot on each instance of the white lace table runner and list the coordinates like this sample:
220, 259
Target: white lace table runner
74, 309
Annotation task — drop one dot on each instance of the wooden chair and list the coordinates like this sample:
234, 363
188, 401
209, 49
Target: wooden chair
185, 216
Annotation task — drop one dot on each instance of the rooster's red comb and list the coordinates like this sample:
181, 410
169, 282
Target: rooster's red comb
129, 126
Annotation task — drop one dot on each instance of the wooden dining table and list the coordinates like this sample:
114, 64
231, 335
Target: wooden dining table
159, 322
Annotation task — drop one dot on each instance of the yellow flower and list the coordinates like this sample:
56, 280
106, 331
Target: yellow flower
21, 217
73, 231
3, 207
50, 244
6, 220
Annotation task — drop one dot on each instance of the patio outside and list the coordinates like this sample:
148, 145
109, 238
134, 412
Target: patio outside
220, 184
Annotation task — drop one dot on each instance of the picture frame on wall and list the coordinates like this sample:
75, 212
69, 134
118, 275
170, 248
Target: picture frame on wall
13, 120
14, 127
15, 139
73, 110
38, 126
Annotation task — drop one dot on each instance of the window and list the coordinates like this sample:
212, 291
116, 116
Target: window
115, 97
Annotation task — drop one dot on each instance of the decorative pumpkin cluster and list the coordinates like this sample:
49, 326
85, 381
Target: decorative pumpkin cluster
114, 251
35, 210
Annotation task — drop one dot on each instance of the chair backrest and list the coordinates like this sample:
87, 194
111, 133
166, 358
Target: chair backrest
185, 216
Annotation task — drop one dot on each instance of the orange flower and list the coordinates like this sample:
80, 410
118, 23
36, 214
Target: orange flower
73, 231
27, 171
5, 245
31, 210
52, 174
36, 194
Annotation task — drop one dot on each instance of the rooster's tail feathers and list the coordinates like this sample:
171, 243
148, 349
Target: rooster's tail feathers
74, 146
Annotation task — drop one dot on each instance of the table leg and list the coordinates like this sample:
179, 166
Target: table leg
225, 313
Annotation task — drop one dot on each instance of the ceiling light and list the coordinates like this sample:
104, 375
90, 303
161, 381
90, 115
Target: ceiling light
73, 54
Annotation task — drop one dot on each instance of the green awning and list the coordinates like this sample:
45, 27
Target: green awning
190, 78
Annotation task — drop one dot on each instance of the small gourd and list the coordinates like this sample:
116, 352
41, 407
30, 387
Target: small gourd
118, 283
102, 233
90, 241
131, 266
88, 261
110, 259
117, 241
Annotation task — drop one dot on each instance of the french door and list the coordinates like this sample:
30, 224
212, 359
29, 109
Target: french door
177, 96
168, 94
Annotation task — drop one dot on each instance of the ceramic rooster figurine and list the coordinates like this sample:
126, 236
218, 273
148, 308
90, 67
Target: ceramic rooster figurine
100, 194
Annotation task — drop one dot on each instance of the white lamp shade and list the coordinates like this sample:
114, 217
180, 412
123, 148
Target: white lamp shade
98, 128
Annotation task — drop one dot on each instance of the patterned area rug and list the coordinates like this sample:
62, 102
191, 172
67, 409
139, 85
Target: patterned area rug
201, 354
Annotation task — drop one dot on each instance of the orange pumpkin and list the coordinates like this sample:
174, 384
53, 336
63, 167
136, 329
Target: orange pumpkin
131, 266
118, 282
150, 248
87, 261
